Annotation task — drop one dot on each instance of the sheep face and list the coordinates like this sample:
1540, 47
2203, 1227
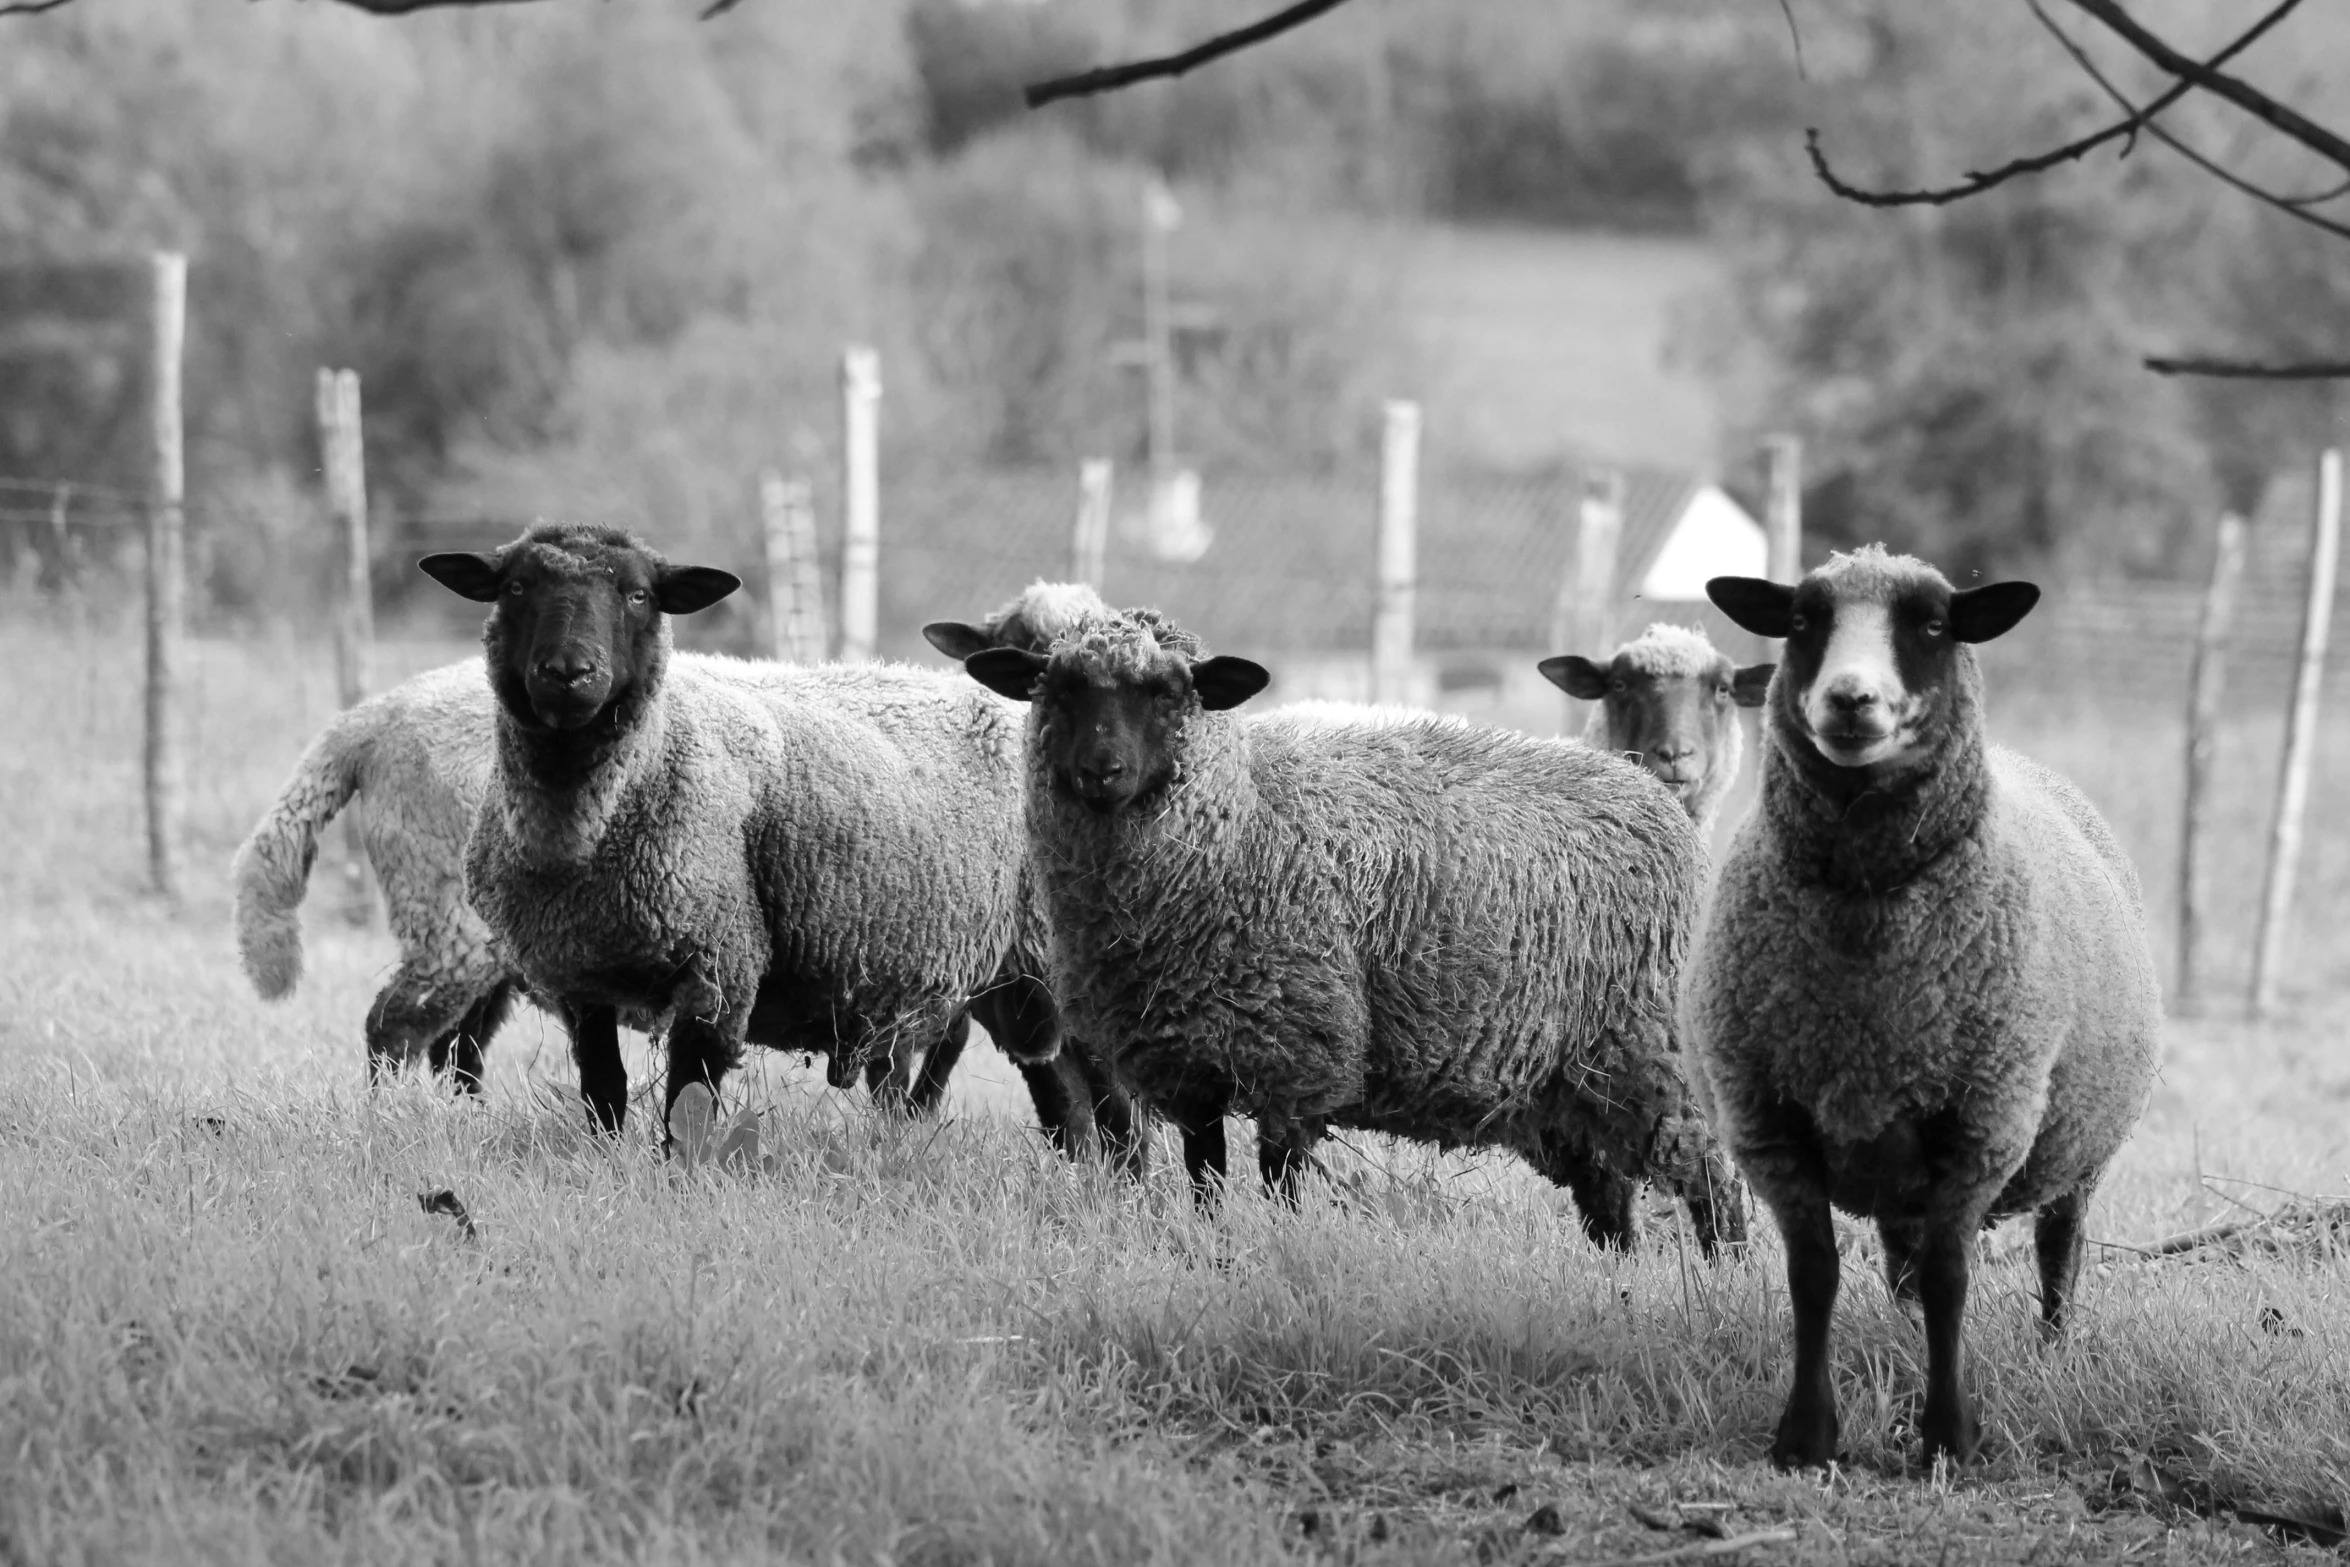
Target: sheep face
576, 619
1876, 645
1669, 700
1112, 707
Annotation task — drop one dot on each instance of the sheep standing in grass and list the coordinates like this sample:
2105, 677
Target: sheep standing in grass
1669, 699
747, 855
418, 760
1410, 925
1923, 993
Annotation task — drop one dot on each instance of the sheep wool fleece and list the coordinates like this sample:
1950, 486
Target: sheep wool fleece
1971, 947
865, 856
1399, 923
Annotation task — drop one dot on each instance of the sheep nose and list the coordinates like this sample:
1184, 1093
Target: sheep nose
566, 669
1101, 769
1673, 755
1851, 698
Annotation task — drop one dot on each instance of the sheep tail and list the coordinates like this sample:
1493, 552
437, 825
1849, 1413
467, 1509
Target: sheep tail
271, 871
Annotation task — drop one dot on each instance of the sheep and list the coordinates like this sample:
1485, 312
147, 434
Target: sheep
1924, 992
418, 759
748, 854
1077, 1097
1666, 699
1413, 925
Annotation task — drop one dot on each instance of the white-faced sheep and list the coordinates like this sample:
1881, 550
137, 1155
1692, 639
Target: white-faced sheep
1923, 993
1669, 699
746, 854
1454, 934
418, 760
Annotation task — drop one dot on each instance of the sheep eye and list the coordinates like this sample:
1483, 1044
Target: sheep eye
1617, 685
1798, 622
514, 590
636, 595
1933, 628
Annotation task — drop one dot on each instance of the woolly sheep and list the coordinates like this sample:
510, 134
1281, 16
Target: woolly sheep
747, 854
1456, 934
1923, 993
418, 760
1668, 699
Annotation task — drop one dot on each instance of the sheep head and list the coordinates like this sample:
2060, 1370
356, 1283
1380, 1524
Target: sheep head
1114, 701
1669, 699
1042, 614
577, 623
1879, 665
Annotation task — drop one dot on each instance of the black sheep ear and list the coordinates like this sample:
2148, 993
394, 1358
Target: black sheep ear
680, 590
1224, 681
1750, 685
468, 576
1754, 604
1576, 675
956, 639
1007, 671
1992, 610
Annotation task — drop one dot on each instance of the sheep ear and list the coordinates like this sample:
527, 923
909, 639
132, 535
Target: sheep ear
1992, 610
1754, 603
1007, 671
680, 590
956, 639
1750, 685
1224, 681
468, 576
1576, 675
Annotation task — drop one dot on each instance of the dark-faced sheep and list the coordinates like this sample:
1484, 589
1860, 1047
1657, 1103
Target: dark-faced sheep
1669, 699
1923, 993
747, 855
1411, 925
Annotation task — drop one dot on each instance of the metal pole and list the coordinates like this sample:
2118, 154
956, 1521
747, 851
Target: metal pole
166, 579
1399, 510
2203, 706
861, 503
2325, 552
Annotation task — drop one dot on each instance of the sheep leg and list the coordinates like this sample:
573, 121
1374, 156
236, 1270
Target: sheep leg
1948, 1424
1124, 1137
412, 1010
1603, 1199
699, 1052
1202, 1126
458, 1053
938, 1065
1808, 1425
2057, 1240
1901, 1238
889, 1078
1283, 1153
603, 1077
1059, 1110
1717, 1211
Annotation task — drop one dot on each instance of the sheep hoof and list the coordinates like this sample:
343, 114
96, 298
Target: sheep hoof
1953, 1434
1807, 1435
690, 1114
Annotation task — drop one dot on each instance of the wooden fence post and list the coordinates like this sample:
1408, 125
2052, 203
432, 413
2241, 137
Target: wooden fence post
1089, 544
343, 461
1783, 506
2208, 683
1399, 524
2284, 850
167, 604
860, 385
1586, 601
795, 589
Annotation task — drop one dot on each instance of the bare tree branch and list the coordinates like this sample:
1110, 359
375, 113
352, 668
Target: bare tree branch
2318, 198
1787, 10
2125, 129
31, 7
410, 7
2290, 207
1109, 77
2218, 83
2253, 369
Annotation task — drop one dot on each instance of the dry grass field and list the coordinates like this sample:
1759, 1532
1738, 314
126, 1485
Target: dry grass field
230, 1331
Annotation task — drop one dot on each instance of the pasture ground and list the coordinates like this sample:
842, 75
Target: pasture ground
229, 1330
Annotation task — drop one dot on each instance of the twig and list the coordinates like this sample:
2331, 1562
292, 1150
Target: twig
1107, 78
2196, 1240
2218, 83
2292, 207
1787, 10
31, 7
1695, 1550
2252, 369
1979, 181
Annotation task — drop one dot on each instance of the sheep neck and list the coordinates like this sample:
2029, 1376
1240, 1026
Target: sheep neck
563, 787
1866, 833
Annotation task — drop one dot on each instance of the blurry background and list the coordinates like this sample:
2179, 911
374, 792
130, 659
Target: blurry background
600, 261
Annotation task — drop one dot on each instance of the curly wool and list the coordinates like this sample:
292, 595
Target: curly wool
1406, 924
1970, 940
1672, 652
